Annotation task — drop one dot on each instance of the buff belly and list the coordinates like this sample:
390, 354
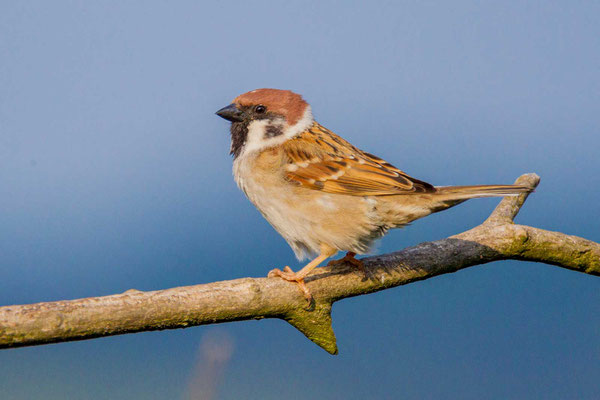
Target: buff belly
306, 218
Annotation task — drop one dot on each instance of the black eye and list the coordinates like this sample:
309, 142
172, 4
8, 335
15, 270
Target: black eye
260, 109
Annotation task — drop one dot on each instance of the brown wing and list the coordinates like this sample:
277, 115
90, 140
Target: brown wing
319, 159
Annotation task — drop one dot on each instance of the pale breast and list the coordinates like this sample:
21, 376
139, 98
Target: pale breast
306, 218
259, 177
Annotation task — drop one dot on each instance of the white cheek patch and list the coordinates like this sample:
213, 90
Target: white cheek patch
256, 132
258, 139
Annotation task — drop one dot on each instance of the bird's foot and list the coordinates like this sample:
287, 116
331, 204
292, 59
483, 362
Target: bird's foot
350, 259
291, 276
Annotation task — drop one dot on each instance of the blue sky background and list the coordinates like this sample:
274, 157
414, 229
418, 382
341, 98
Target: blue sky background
115, 174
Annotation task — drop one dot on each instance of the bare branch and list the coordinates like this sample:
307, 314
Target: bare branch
510, 206
498, 238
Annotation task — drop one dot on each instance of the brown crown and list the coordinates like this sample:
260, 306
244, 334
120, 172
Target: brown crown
284, 102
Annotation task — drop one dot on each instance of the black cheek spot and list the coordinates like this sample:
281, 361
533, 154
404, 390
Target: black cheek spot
273, 131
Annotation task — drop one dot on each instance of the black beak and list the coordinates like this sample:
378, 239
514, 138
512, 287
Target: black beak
231, 113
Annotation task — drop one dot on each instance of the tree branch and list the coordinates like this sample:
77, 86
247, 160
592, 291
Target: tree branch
498, 238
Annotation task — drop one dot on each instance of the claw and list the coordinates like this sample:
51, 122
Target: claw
289, 275
276, 272
298, 277
350, 259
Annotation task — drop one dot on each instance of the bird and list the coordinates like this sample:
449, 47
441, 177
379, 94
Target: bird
321, 193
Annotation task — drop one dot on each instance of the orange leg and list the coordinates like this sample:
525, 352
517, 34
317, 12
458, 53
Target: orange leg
349, 258
298, 277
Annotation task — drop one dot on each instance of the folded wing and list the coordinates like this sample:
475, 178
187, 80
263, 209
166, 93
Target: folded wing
320, 160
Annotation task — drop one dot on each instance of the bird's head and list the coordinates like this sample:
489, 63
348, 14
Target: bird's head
265, 118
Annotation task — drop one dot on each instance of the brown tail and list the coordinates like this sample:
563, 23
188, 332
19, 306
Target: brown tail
445, 197
462, 193
449, 196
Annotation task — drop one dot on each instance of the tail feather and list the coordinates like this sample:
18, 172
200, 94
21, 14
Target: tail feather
444, 197
461, 193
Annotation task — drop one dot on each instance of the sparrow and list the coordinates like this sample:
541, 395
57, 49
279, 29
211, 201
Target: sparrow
318, 191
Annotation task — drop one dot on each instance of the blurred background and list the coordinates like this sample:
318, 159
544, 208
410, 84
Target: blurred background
115, 174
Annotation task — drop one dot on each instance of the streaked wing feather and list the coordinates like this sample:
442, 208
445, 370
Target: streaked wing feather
319, 159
